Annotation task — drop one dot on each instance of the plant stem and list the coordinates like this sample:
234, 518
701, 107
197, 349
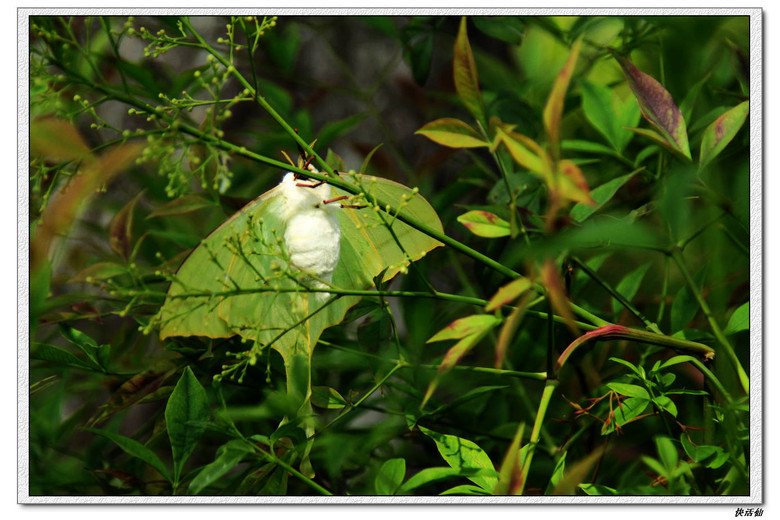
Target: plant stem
549, 387
676, 254
615, 294
536, 376
351, 406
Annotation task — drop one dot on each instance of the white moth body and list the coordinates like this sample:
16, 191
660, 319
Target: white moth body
312, 236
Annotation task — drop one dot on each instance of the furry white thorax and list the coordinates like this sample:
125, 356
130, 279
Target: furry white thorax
311, 235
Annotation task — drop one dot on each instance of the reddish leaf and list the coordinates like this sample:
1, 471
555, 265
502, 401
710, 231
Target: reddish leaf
135, 389
57, 140
657, 107
554, 108
485, 224
63, 210
465, 74
572, 184
556, 293
621, 332
453, 133
121, 229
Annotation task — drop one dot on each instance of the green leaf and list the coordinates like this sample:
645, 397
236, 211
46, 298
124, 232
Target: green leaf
628, 364
418, 40
465, 74
667, 452
657, 107
601, 196
684, 308
465, 489
485, 224
720, 133
710, 456
608, 113
453, 133
629, 285
464, 454
97, 355
327, 397
56, 355
675, 361
686, 107
185, 416
134, 448
598, 490
228, 456
579, 145
334, 129
181, 206
557, 475
667, 404
630, 409
510, 29
427, 476
629, 390
99, 271
739, 320
391, 475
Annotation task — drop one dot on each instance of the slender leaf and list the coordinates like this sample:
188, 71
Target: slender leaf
228, 456
134, 448
629, 286
185, 417
721, 132
465, 74
600, 196
181, 206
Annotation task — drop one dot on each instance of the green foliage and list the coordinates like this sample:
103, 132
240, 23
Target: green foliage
544, 262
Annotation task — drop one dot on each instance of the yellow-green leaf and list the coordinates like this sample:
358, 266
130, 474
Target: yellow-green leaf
523, 150
508, 293
465, 74
463, 327
453, 133
721, 131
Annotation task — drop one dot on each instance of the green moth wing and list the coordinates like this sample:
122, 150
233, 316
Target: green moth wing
236, 283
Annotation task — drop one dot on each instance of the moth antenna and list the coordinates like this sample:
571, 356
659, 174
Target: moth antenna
302, 185
336, 199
